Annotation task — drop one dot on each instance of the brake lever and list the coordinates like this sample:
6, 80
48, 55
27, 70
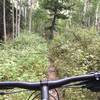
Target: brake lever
96, 75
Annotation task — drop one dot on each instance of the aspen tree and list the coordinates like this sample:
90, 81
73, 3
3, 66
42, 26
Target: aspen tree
4, 20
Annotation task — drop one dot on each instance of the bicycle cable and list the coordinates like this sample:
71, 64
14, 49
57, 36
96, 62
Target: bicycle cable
52, 96
32, 95
36, 96
57, 94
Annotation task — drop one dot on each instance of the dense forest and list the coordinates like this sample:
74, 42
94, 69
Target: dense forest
36, 35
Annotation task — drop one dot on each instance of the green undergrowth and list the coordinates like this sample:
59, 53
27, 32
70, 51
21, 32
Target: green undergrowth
24, 59
76, 52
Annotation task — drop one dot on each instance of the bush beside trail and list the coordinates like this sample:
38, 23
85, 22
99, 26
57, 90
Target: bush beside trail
24, 59
75, 52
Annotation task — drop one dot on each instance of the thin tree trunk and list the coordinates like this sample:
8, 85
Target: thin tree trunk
25, 12
16, 18
97, 9
32, 3
19, 17
87, 5
30, 18
53, 26
4, 21
84, 12
13, 22
97, 21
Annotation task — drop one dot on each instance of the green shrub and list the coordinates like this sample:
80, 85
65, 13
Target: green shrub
76, 52
24, 59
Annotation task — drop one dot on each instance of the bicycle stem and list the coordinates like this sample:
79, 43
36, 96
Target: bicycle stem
44, 92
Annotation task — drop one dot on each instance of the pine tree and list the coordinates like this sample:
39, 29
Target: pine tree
55, 9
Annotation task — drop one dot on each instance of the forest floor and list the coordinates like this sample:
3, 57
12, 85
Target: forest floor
24, 59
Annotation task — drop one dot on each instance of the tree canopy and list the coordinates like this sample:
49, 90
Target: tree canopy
57, 9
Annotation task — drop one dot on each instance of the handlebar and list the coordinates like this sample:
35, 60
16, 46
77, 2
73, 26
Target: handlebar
48, 83
91, 81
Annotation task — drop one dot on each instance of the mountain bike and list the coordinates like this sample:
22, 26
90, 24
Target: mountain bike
90, 81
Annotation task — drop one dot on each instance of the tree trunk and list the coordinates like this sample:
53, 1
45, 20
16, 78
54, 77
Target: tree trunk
32, 3
97, 21
4, 21
19, 17
30, 17
25, 18
16, 18
53, 26
87, 6
13, 22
